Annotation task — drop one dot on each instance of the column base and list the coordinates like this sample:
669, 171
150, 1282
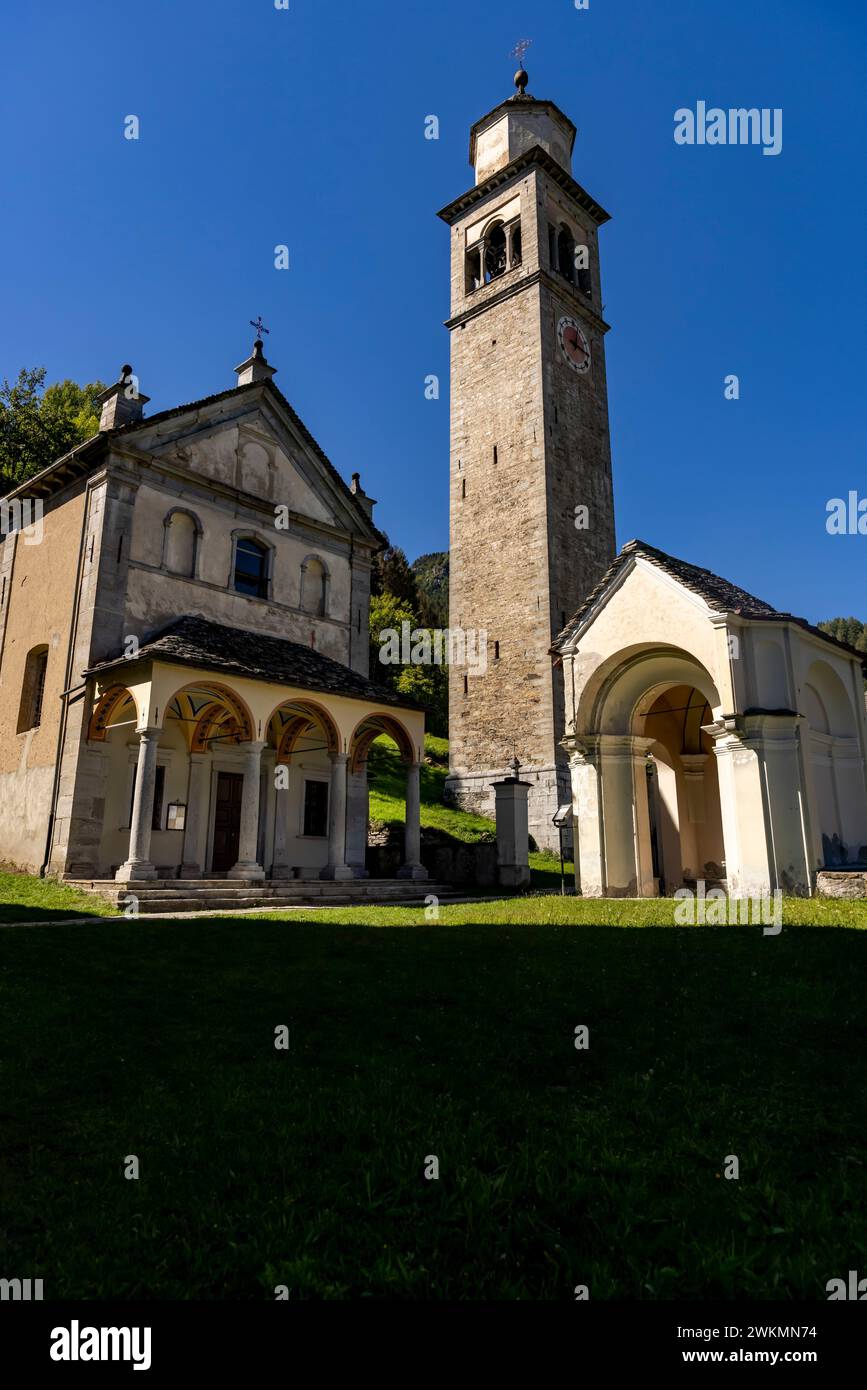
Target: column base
337, 871
282, 871
253, 871
417, 872
191, 871
133, 872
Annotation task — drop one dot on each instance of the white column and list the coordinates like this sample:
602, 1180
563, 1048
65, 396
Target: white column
619, 819
745, 830
281, 867
337, 866
586, 817
412, 866
196, 824
248, 865
138, 864
647, 887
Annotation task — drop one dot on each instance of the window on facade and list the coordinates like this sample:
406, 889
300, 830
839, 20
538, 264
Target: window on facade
473, 272
181, 538
251, 568
566, 254
33, 689
313, 581
495, 252
316, 808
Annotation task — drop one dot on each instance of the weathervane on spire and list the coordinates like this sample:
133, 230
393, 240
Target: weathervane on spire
259, 327
521, 78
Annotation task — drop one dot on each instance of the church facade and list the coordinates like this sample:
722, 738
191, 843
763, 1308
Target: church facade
184, 686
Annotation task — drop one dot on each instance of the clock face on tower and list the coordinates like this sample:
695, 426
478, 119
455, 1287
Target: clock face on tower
574, 344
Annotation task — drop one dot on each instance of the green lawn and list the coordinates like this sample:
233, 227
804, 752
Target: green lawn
304, 1167
25, 898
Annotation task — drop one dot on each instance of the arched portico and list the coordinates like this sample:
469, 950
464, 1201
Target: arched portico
645, 792
370, 728
222, 775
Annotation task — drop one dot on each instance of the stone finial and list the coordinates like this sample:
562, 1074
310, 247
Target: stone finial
122, 403
256, 367
367, 503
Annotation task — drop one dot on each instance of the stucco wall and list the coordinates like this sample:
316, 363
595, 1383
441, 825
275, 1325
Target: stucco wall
37, 609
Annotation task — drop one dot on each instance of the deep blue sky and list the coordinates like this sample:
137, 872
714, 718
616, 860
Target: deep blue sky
305, 127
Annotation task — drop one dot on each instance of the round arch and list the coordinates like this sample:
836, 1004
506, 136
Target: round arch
372, 727
110, 703
293, 718
829, 709
199, 705
636, 677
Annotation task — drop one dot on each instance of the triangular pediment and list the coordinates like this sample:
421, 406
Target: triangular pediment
643, 575
251, 441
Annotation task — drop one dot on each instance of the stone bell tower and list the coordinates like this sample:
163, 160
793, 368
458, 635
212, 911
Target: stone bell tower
532, 512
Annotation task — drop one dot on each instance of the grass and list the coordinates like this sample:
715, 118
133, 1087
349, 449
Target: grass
24, 898
387, 777
304, 1167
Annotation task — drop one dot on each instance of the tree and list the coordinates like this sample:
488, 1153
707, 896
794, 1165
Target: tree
426, 684
849, 630
392, 575
38, 423
432, 578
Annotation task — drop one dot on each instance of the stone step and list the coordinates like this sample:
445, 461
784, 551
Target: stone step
168, 896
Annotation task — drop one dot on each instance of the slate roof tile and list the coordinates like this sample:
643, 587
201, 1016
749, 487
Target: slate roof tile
720, 594
197, 641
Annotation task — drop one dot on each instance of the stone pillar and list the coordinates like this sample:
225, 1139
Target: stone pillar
513, 834
742, 804
646, 882
281, 868
248, 865
623, 870
138, 864
357, 810
776, 740
196, 826
337, 866
412, 866
586, 817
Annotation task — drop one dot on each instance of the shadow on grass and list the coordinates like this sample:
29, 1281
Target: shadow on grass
304, 1166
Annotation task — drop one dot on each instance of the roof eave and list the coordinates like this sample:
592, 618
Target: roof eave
536, 156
